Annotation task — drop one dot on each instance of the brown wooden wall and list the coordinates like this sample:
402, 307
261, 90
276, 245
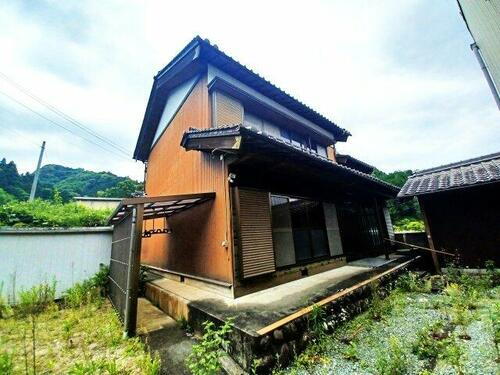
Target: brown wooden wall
467, 221
195, 245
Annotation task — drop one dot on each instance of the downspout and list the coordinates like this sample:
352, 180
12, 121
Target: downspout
486, 73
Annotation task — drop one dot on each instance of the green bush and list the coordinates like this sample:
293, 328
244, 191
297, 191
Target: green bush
204, 359
5, 309
316, 321
409, 224
394, 361
6, 364
35, 300
100, 366
87, 291
411, 283
40, 213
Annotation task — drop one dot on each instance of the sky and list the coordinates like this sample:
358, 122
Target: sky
399, 75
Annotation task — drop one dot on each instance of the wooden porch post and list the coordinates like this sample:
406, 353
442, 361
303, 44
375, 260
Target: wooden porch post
134, 265
435, 259
382, 227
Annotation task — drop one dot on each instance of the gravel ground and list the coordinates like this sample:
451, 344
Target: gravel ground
416, 312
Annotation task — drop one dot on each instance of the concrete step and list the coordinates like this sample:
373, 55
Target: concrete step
165, 337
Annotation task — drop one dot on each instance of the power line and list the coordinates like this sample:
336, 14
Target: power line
18, 133
61, 126
65, 116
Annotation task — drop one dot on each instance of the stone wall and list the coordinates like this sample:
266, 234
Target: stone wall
283, 344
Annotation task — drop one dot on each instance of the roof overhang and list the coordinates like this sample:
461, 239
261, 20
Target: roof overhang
246, 143
160, 206
479, 171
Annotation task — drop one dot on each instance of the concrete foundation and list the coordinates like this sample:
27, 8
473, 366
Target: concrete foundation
273, 324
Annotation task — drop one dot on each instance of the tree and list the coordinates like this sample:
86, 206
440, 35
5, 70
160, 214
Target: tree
400, 209
5, 197
123, 189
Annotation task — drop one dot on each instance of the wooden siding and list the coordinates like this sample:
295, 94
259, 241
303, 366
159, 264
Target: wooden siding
465, 221
228, 111
330, 153
255, 232
196, 244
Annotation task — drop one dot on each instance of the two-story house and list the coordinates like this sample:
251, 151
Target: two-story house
286, 204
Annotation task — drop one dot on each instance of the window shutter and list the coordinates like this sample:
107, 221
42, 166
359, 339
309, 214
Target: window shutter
227, 111
255, 233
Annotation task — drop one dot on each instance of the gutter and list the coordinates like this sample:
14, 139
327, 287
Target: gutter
484, 68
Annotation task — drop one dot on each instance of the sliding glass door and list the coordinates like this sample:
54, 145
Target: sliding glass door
304, 221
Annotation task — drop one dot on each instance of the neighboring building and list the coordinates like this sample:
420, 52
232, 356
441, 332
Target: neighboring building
286, 205
98, 203
461, 207
482, 18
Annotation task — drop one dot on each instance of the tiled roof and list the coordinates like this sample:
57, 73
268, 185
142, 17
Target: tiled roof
240, 129
352, 162
481, 170
214, 55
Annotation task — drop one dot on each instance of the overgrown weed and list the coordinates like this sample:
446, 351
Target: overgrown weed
204, 358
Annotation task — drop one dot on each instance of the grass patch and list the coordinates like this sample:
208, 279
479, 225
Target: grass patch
75, 341
83, 335
414, 331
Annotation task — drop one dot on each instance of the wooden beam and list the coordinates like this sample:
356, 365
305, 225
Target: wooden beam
435, 260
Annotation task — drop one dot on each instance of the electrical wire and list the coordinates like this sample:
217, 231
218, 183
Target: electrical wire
65, 116
18, 133
61, 126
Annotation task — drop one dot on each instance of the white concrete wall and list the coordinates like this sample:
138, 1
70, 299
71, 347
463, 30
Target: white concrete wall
29, 257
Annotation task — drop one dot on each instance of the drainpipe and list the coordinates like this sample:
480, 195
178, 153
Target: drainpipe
486, 73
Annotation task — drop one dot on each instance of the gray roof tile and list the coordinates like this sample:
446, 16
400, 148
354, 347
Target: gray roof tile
476, 171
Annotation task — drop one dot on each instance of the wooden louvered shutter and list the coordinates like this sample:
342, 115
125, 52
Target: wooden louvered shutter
255, 233
228, 111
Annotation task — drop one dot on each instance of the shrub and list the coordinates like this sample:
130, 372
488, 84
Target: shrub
40, 213
35, 300
394, 361
87, 291
434, 342
91, 367
492, 274
430, 341
351, 352
204, 359
5, 309
6, 364
316, 321
408, 224
411, 282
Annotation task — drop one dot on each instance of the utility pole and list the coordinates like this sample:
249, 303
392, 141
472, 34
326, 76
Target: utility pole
37, 173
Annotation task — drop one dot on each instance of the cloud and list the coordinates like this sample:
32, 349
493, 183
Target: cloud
399, 75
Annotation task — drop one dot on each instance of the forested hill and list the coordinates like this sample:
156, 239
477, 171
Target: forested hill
69, 182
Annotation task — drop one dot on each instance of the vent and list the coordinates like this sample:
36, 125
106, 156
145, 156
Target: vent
255, 233
227, 111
